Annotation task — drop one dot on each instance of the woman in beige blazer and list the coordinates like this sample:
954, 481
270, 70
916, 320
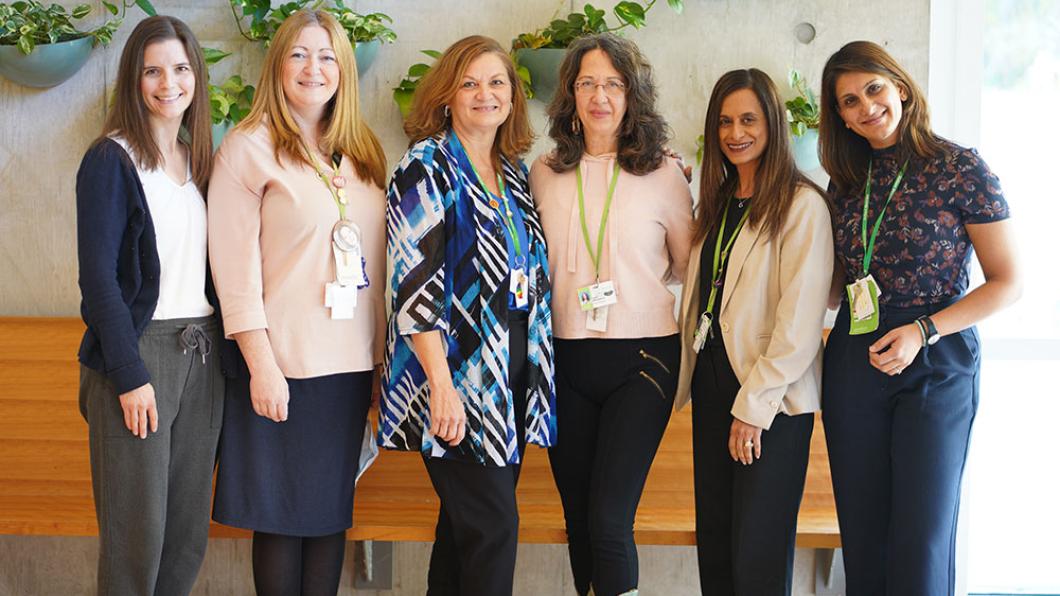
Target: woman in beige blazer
756, 291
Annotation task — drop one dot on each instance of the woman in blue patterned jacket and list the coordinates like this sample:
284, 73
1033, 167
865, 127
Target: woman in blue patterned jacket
468, 373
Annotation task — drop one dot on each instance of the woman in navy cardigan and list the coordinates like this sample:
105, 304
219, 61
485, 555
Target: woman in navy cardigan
151, 385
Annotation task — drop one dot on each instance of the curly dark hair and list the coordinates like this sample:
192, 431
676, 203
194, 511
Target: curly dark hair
643, 133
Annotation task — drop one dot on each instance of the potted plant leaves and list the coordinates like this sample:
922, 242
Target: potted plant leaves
41, 47
367, 32
542, 51
804, 118
407, 87
230, 101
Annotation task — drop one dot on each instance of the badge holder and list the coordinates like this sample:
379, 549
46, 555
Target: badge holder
350, 275
864, 298
520, 287
595, 301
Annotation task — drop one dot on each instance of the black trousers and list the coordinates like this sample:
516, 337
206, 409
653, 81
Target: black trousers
897, 447
745, 515
613, 401
477, 534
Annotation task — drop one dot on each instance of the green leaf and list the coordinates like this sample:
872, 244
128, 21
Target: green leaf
110, 8
403, 99
25, 44
630, 13
418, 70
147, 7
678, 6
524, 75
432, 53
213, 56
80, 11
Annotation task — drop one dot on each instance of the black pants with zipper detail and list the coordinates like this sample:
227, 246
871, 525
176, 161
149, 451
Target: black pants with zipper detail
613, 401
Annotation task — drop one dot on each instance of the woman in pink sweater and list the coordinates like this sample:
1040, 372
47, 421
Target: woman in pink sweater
617, 216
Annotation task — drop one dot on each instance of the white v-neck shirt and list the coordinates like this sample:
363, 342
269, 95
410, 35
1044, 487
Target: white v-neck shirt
178, 213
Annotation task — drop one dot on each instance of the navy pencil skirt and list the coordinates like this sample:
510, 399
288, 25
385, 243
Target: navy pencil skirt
294, 477
897, 447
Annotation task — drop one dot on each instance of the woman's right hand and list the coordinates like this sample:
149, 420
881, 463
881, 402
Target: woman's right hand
139, 408
269, 394
448, 418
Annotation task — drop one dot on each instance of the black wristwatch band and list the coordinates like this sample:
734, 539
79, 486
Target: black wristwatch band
931, 332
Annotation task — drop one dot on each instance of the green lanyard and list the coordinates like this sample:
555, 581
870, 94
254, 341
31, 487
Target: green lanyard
870, 243
509, 220
722, 255
339, 194
603, 219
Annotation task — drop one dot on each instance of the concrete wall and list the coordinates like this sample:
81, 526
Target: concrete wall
45, 132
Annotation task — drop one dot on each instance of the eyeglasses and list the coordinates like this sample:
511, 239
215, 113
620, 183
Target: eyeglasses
588, 87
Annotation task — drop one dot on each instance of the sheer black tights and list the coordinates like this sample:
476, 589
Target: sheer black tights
296, 565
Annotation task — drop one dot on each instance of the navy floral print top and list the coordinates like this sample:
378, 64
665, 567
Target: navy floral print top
923, 252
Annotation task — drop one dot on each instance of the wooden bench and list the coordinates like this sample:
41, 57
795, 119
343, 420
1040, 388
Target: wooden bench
45, 483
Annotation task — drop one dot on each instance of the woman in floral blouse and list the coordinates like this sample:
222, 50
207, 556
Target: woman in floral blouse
901, 368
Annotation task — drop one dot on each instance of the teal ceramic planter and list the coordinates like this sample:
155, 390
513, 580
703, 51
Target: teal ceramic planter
365, 53
218, 132
805, 148
47, 65
543, 64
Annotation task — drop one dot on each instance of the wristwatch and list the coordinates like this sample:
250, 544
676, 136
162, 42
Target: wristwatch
931, 334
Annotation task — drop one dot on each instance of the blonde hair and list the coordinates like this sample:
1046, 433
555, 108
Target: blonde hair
440, 84
345, 131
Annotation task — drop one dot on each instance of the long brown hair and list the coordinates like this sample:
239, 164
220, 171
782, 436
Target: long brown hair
643, 133
439, 86
129, 116
844, 153
345, 131
776, 178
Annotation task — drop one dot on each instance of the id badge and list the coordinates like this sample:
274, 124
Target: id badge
864, 298
703, 331
342, 300
597, 295
596, 319
520, 287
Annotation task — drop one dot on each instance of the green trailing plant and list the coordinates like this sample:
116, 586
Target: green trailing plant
265, 20
230, 101
407, 87
561, 32
28, 23
802, 110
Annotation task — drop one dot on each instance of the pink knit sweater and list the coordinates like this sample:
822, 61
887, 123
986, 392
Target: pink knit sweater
646, 244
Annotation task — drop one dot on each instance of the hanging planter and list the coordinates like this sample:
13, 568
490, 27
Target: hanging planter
805, 148
47, 65
365, 52
541, 52
804, 117
41, 47
543, 65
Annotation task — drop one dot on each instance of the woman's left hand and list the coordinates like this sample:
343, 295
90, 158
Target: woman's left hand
895, 351
745, 442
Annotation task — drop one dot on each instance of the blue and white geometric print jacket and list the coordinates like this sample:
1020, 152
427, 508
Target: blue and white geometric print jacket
450, 273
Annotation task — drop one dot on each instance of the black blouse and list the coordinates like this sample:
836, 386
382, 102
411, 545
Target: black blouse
737, 207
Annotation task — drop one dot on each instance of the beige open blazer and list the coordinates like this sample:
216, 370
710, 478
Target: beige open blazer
772, 313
